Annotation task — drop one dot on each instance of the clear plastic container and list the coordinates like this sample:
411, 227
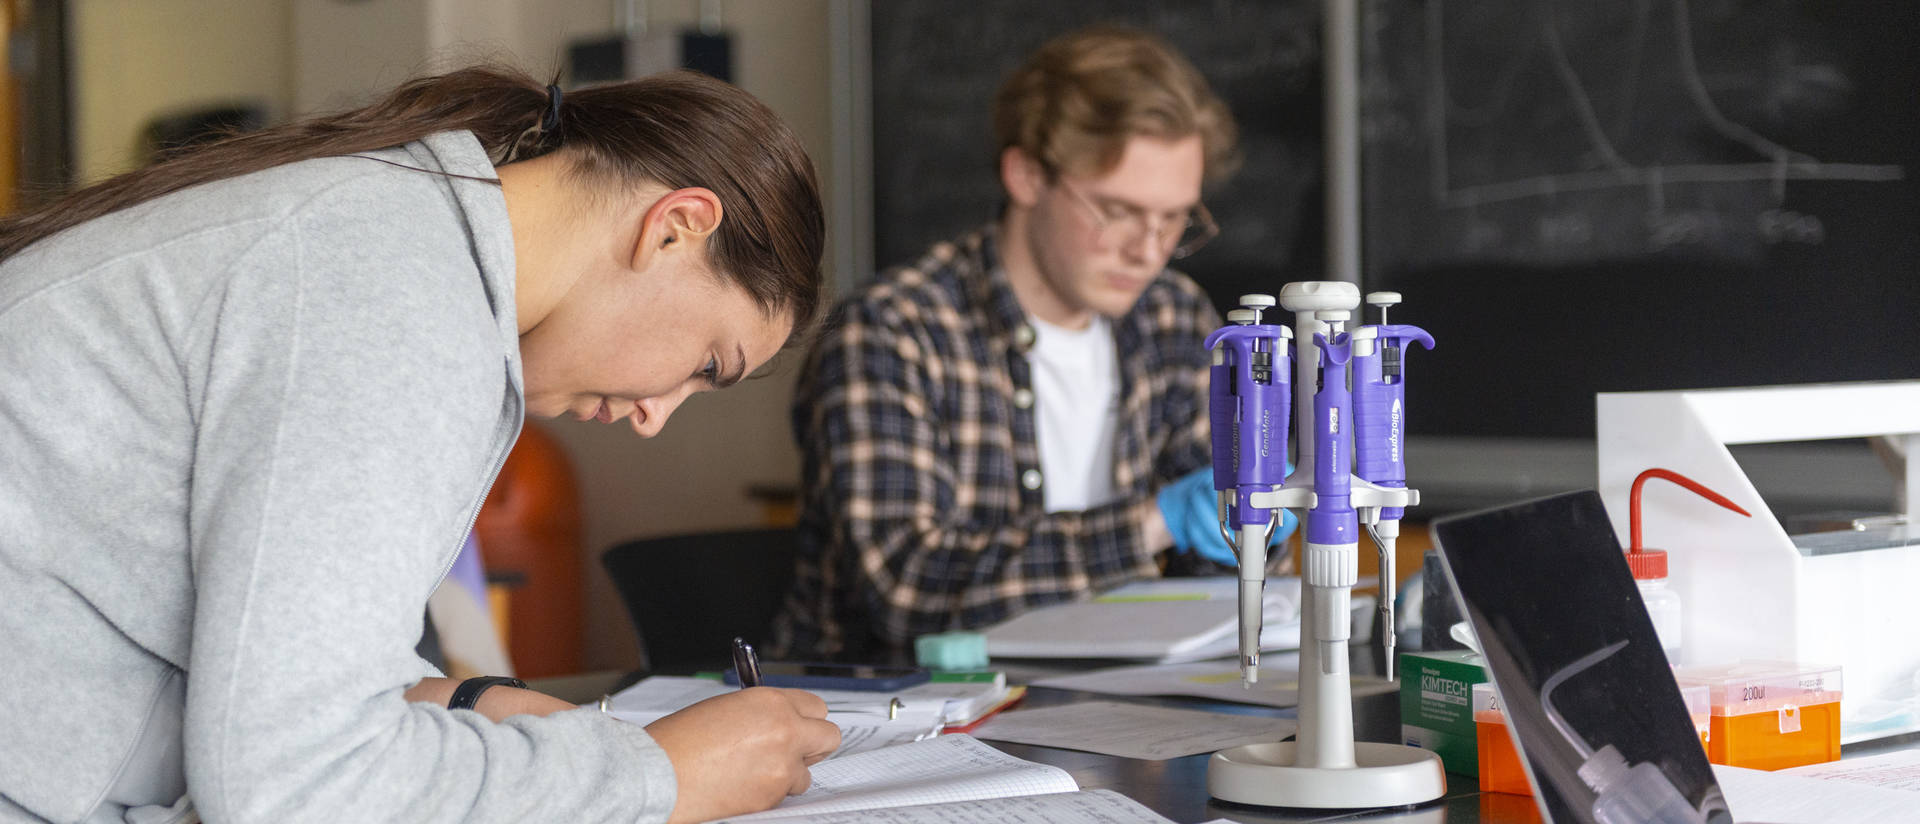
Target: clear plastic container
1699, 701
1769, 715
1663, 606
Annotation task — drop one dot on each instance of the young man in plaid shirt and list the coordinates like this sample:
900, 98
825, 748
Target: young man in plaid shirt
1020, 416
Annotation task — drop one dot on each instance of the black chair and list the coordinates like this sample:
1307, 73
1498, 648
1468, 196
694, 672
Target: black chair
689, 595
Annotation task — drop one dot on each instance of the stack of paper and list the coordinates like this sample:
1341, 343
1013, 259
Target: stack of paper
968, 696
1166, 620
1219, 680
966, 722
1141, 731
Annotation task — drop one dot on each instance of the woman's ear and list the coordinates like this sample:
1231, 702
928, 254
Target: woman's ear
681, 219
1022, 176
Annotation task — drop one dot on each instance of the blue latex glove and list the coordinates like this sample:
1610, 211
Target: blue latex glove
1187, 505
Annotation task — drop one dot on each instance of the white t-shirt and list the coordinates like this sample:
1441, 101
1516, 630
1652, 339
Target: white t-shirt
1076, 412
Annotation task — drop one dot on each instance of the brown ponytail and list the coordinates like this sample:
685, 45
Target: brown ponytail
678, 129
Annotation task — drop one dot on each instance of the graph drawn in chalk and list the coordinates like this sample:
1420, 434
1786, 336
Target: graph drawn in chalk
1628, 88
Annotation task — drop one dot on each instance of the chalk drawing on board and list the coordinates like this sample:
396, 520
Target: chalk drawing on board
1638, 103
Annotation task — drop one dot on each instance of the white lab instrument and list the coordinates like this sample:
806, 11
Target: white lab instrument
1748, 588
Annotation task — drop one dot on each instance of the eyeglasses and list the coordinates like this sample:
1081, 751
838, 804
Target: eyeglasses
1129, 223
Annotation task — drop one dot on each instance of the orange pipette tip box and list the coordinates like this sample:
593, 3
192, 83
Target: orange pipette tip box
1769, 715
1500, 767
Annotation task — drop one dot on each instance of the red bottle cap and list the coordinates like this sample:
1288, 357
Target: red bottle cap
1648, 564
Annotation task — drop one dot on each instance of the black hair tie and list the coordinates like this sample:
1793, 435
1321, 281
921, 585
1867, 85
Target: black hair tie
552, 121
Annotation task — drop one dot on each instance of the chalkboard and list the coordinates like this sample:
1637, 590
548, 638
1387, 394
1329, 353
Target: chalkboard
1579, 197
937, 65
1573, 197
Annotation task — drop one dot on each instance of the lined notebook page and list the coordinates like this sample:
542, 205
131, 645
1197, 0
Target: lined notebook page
1094, 807
948, 768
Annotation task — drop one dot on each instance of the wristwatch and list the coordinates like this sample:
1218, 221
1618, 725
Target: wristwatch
468, 693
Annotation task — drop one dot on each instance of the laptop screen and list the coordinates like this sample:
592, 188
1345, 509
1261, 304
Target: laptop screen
1589, 697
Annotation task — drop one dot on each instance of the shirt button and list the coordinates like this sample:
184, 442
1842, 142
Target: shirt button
1030, 479
1023, 398
1023, 337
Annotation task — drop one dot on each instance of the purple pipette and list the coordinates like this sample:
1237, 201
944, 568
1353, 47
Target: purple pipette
1257, 400
1333, 528
1333, 520
1250, 401
1223, 408
1379, 401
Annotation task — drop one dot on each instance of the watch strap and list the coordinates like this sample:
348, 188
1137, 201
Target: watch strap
467, 694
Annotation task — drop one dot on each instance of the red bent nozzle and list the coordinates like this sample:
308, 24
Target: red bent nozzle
1633, 507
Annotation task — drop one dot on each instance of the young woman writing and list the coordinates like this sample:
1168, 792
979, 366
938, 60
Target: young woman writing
254, 395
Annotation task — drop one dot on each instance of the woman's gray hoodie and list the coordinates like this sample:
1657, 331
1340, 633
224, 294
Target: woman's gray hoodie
243, 430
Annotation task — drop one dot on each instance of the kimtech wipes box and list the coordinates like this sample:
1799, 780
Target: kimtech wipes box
1436, 705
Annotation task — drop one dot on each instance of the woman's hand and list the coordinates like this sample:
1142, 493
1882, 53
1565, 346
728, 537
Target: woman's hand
744, 751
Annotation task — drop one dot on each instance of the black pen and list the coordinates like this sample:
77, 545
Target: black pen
745, 664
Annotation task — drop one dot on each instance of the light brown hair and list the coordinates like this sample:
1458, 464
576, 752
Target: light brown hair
1077, 101
679, 129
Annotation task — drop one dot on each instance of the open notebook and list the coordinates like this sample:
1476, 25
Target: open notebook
953, 779
865, 720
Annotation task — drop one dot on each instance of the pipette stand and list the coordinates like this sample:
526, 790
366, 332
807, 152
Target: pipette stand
1323, 767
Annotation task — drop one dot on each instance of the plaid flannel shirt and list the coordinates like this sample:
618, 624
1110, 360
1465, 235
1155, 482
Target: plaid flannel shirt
922, 506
